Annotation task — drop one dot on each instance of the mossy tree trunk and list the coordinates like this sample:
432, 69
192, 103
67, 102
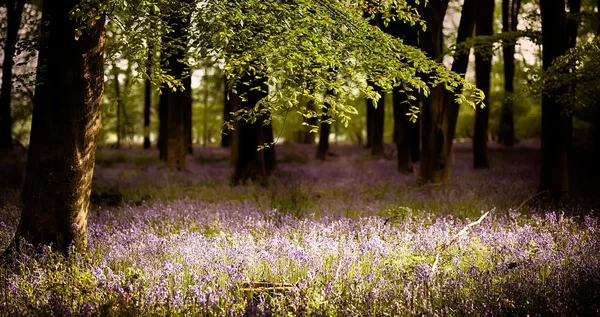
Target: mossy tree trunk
483, 72
14, 11
66, 119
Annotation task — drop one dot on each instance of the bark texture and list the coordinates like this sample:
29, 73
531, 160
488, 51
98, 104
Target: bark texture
70, 83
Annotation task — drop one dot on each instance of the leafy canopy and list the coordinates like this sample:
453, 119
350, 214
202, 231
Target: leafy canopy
301, 48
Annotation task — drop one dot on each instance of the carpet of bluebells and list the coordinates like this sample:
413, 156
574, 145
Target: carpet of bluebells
345, 237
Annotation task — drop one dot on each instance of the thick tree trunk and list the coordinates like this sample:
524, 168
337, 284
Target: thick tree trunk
324, 131
227, 109
147, 100
434, 162
506, 131
483, 71
172, 141
14, 11
68, 97
403, 128
554, 174
187, 107
249, 162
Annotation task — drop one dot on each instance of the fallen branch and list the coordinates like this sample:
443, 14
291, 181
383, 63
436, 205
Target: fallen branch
447, 244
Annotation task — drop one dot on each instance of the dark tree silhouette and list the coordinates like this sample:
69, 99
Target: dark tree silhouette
14, 11
554, 173
510, 14
483, 71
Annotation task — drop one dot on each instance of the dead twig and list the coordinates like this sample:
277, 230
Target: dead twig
447, 244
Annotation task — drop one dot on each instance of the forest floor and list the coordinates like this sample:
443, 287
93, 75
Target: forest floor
346, 237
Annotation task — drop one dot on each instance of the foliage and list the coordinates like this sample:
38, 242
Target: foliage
302, 48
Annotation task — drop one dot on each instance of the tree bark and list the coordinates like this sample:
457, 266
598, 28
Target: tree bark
554, 173
305, 136
404, 130
249, 162
188, 115
173, 139
483, 70
61, 155
270, 158
14, 11
377, 120
147, 100
227, 109
369, 123
119, 125
434, 162
324, 131
510, 14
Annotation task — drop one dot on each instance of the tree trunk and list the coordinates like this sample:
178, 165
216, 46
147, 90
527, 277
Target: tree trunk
415, 140
305, 136
459, 65
172, 141
510, 14
483, 70
377, 120
14, 11
119, 125
434, 162
270, 158
403, 128
572, 30
61, 155
147, 100
369, 123
554, 174
248, 161
227, 109
323, 146
402, 132
187, 107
